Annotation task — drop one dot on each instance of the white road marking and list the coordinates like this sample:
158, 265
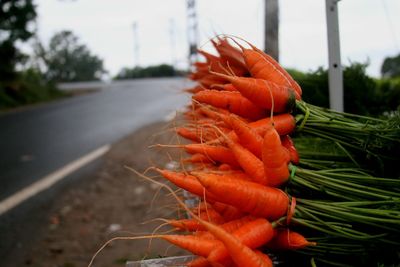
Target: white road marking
49, 180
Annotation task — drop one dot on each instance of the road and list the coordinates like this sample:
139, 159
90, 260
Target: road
40, 140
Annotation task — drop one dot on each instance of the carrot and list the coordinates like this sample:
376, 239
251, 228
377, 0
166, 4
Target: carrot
247, 136
240, 254
262, 93
209, 57
224, 87
216, 153
261, 68
225, 167
201, 133
287, 142
198, 158
230, 55
293, 83
230, 226
188, 134
256, 199
284, 124
187, 182
194, 244
252, 165
186, 225
265, 258
275, 158
286, 239
228, 212
216, 114
193, 225
232, 101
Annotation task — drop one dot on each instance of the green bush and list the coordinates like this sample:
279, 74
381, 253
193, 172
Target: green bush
362, 94
29, 87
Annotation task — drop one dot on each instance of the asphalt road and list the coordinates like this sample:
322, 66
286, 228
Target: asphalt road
37, 141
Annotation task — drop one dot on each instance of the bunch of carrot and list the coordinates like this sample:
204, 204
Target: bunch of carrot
256, 194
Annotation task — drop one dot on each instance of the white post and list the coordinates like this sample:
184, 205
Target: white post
335, 67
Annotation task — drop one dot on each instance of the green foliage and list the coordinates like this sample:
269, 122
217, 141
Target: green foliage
29, 87
359, 91
362, 94
388, 91
162, 70
314, 86
67, 60
15, 16
391, 67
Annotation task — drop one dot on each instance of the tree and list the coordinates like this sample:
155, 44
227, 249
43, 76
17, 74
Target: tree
15, 16
66, 60
391, 67
162, 70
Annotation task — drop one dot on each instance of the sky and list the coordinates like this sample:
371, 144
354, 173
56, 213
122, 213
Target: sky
369, 29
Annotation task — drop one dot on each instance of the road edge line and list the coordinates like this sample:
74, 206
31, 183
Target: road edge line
49, 180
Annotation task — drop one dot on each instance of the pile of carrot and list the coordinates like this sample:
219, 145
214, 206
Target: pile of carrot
276, 176
258, 194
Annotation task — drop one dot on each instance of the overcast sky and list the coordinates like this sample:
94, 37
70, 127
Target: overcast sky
369, 29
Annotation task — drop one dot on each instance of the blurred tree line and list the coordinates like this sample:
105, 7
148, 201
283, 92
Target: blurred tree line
362, 94
162, 70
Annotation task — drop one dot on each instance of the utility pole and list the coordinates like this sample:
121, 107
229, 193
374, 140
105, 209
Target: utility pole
135, 44
271, 34
335, 73
192, 31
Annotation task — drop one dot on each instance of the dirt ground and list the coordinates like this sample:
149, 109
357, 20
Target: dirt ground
115, 202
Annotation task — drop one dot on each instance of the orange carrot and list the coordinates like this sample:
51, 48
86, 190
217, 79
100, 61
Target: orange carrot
232, 101
262, 93
275, 158
287, 142
209, 57
230, 55
228, 212
261, 68
194, 244
252, 165
230, 226
225, 167
224, 87
216, 153
198, 158
253, 234
283, 123
187, 182
293, 83
247, 136
256, 199
286, 239
188, 134
240, 254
